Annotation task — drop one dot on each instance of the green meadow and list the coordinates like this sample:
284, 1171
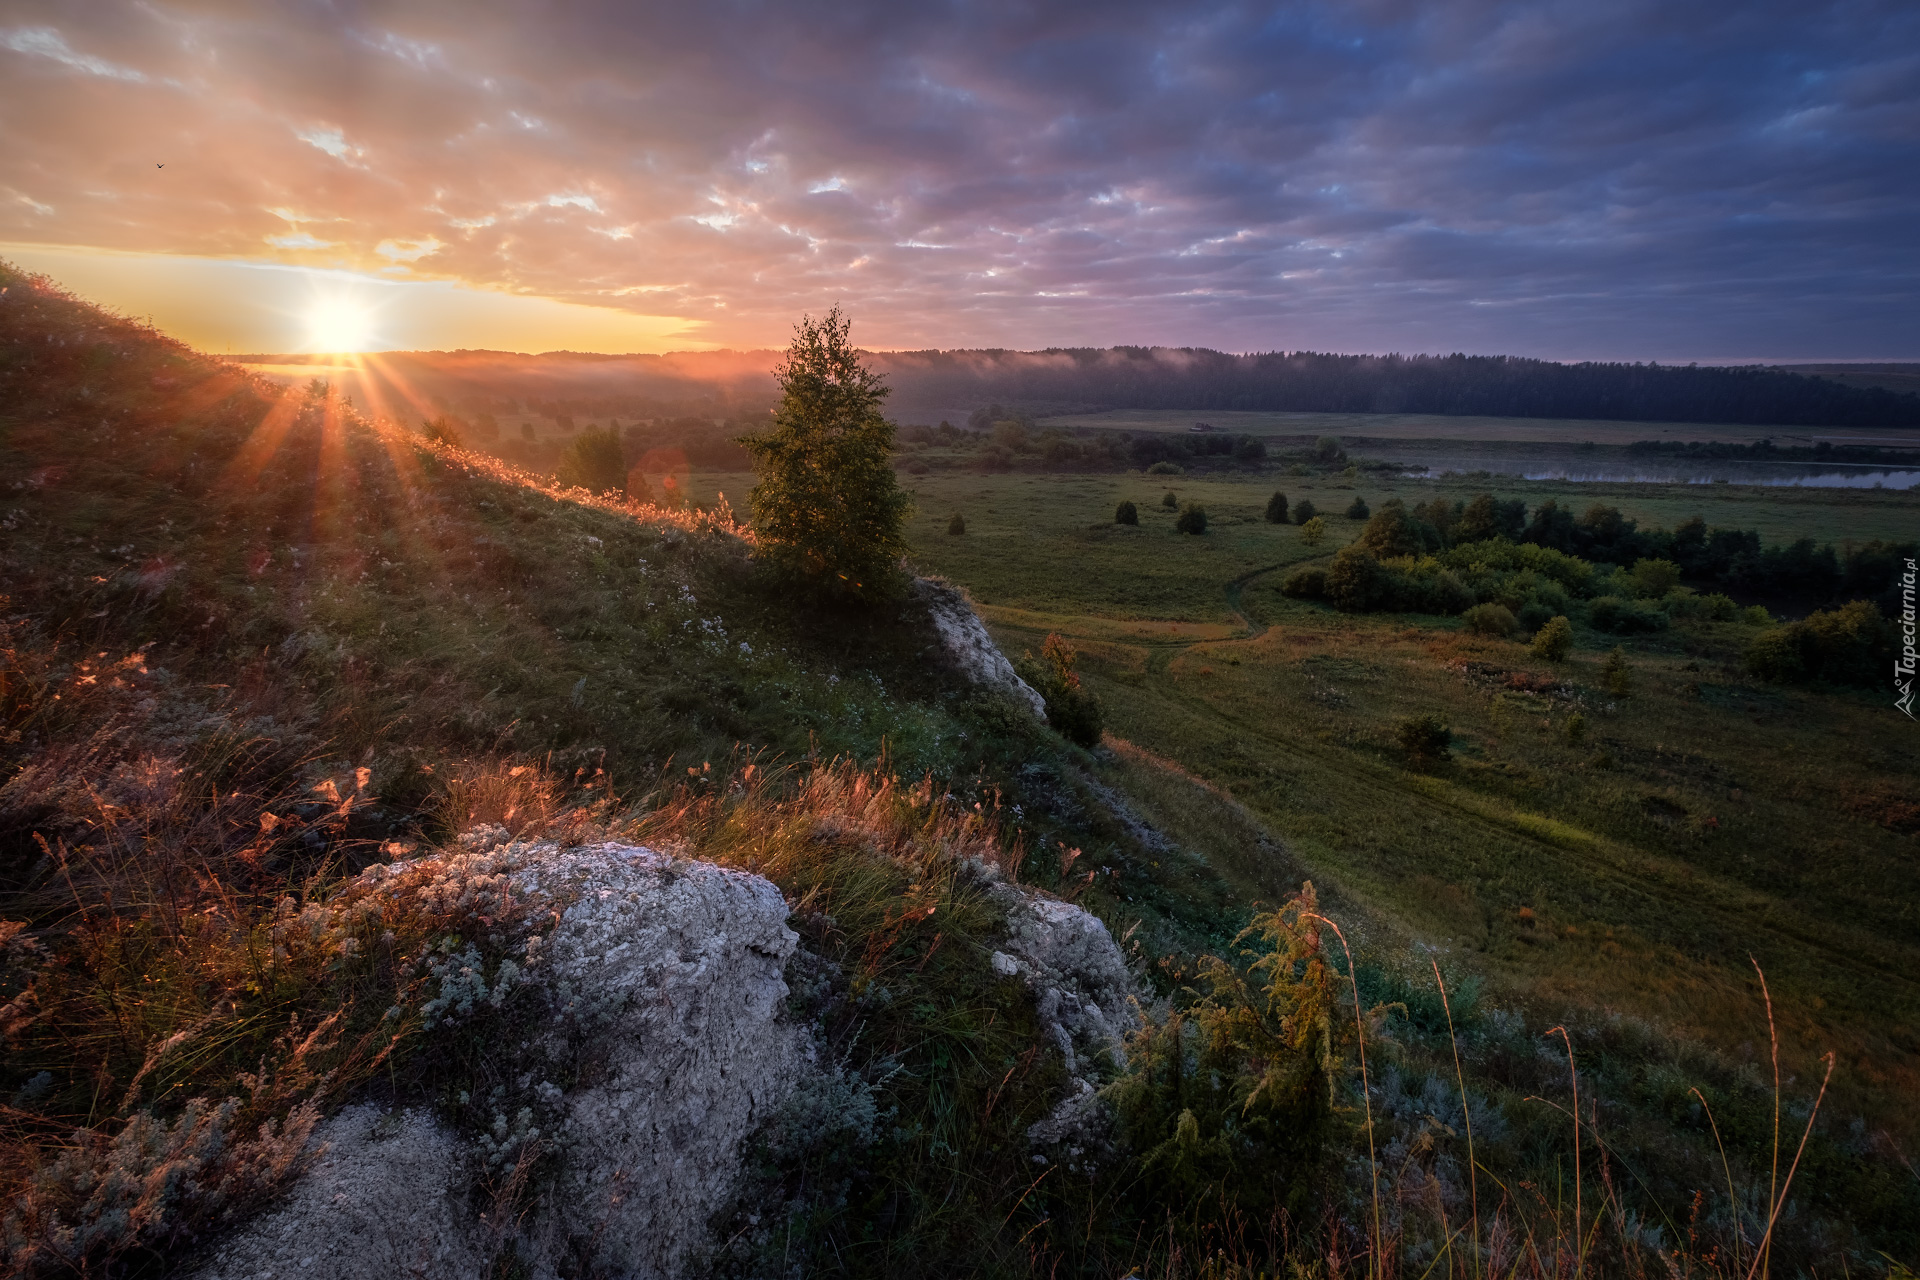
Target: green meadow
1630, 866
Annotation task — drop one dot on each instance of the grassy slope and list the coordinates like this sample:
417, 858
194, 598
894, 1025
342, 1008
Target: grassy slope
1733, 818
357, 599
219, 603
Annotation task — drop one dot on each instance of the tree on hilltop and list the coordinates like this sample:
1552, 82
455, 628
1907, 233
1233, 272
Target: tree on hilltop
827, 507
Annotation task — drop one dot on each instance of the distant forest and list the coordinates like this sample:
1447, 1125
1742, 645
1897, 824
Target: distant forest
929, 385
1497, 386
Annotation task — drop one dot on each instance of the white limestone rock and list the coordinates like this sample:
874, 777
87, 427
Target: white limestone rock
675, 969
386, 1197
1074, 967
970, 647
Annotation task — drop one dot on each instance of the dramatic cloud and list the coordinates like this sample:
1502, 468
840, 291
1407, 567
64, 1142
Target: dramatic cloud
1554, 177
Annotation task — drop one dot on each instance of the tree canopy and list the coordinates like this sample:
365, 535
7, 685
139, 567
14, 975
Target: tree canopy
827, 507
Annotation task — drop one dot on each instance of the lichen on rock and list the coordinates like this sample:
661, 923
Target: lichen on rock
671, 970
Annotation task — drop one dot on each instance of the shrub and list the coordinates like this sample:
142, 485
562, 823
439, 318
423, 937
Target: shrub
1126, 513
1393, 533
1355, 581
1170, 502
1277, 509
1165, 469
827, 507
1313, 531
594, 462
1850, 645
1308, 583
1425, 737
443, 430
1304, 510
1193, 519
1617, 674
1533, 615
1327, 449
1357, 509
527, 432
1624, 617
1654, 578
996, 457
1232, 1102
957, 525
1073, 712
1554, 641
1576, 727
1490, 620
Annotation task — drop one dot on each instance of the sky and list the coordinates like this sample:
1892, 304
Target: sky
1711, 180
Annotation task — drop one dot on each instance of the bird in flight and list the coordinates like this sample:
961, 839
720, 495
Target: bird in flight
159, 166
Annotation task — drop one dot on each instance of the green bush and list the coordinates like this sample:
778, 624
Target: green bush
827, 507
1165, 469
1652, 579
1357, 509
1489, 620
1554, 641
1277, 509
1624, 617
1355, 581
1851, 645
1232, 1102
1312, 531
1304, 510
1170, 502
1533, 615
1126, 513
595, 462
1193, 519
1071, 709
1306, 583
957, 525
1617, 674
1425, 737
1393, 533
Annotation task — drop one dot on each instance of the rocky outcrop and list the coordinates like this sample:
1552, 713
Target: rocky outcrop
1085, 996
673, 970
1076, 972
969, 646
655, 987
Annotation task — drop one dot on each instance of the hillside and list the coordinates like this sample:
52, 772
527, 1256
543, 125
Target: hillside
257, 644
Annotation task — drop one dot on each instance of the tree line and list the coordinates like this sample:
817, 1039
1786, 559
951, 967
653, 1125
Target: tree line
1307, 381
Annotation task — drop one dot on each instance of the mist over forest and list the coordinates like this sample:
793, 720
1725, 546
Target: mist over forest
929, 385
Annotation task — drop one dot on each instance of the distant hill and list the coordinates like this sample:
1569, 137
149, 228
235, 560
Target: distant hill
1901, 378
933, 384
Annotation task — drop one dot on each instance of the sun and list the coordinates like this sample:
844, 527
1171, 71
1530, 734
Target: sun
339, 324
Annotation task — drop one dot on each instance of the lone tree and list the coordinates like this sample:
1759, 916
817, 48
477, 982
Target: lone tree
827, 508
1193, 519
1277, 509
1126, 513
594, 462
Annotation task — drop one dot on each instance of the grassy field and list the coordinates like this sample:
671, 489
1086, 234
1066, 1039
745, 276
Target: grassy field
1703, 819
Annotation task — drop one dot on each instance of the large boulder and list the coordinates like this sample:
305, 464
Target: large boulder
674, 970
